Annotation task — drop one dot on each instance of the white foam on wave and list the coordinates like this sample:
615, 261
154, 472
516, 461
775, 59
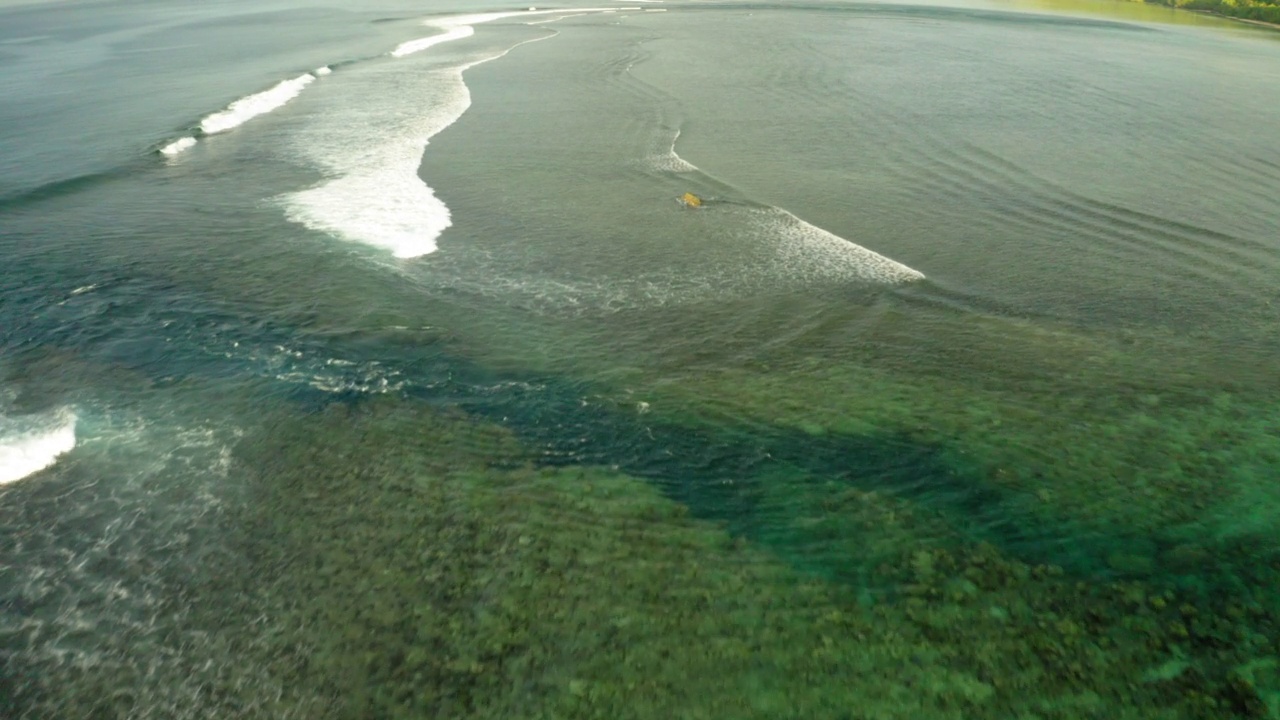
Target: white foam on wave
178, 146
809, 252
251, 106
558, 18
479, 18
666, 159
457, 27
743, 250
805, 251
415, 46
376, 196
387, 207
30, 445
247, 108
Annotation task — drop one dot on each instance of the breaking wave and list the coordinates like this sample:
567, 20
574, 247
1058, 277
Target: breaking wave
377, 197
804, 251
245, 109
251, 106
457, 27
665, 158
414, 46
809, 250
29, 445
178, 146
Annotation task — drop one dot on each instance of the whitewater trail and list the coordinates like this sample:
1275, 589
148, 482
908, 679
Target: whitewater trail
376, 196
803, 250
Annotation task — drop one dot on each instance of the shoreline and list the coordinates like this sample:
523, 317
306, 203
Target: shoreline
1248, 21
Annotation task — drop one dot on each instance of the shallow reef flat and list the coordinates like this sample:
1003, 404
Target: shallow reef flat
1143, 447
1112, 451
408, 563
389, 558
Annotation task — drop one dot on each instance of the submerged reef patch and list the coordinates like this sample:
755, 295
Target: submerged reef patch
408, 576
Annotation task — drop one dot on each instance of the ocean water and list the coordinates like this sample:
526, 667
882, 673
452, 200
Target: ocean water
363, 363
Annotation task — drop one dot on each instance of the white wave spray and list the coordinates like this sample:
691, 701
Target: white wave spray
178, 146
245, 109
374, 148
415, 46
249, 107
29, 445
377, 197
809, 252
664, 157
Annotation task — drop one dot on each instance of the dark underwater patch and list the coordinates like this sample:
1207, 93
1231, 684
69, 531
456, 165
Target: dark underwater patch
715, 468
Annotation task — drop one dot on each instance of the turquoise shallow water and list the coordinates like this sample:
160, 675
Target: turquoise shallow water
404, 387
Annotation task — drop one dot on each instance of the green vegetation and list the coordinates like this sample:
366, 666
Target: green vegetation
1255, 10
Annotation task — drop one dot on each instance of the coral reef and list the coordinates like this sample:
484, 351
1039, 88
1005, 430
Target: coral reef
407, 567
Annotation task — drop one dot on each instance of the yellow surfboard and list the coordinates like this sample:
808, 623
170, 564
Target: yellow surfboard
691, 200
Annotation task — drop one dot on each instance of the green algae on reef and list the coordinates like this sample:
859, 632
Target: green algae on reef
401, 574
1145, 438
388, 559
1123, 439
